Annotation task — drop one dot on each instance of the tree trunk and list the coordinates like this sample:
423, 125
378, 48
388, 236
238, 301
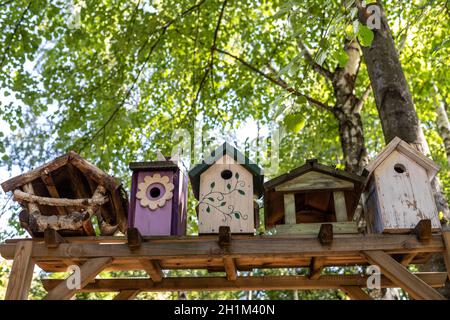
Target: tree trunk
394, 101
442, 122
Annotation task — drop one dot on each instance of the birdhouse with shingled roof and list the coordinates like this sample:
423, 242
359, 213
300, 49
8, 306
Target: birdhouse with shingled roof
226, 186
398, 193
300, 201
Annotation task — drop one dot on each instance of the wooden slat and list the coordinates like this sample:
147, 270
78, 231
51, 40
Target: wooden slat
355, 293
435, 279
230, 268
407, 258
52, 238
126, 295
289, 209
50, 184
340, 207
88, 271
446, 238
417, 288
153, 269
316, 266
21, 273
313, 228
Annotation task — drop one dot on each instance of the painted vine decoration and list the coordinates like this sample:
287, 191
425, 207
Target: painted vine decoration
216, 200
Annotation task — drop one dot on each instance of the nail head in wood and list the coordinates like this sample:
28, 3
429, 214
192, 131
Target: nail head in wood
134, 238
224, 236
326, 233
423, 229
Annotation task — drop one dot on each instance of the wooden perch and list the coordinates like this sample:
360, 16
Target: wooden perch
97, 199
72, 221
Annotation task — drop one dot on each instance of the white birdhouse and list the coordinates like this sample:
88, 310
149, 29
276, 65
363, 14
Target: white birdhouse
398, 193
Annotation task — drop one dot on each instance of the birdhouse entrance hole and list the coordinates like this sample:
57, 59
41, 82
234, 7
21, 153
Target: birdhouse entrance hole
399, 168
226, 174
155, 191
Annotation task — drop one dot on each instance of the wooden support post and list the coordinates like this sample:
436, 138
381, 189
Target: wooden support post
289, 209
153, 269
230, 268
224, 236
355, 293
417, 288
340, 207
52, 238
134, 238
21, 272
423, 229
88, 271
446, 238
126, 295
326, 233
315, 267
407, 258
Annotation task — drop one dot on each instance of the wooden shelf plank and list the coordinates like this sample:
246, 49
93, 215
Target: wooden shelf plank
416, 287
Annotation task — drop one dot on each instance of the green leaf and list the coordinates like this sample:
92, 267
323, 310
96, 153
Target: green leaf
223, 203
208, 209
236, 175
213, 184
211, 199
228, 186
241, 192
237, 215
342, 58
294, 122
365, 36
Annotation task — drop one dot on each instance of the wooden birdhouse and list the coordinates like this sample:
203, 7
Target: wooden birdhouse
226, 186
65, 194
158, 198
300, 201
398, 193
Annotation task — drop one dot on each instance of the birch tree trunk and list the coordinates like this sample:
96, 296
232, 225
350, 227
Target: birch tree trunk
442, 122
394, 103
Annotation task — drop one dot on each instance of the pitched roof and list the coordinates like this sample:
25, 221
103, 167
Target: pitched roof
407, 150
227, 149
313, 165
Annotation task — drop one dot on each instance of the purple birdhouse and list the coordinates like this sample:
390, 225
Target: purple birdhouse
158, 198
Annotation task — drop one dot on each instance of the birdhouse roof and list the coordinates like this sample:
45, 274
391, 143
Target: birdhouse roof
227, 149
407, 150
313, 166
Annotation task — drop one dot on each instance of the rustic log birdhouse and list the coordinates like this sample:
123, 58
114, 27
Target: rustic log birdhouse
65, 194
299, 201
158, 198
226, 185
398, 193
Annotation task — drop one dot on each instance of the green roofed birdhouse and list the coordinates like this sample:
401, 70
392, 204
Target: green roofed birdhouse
300, 201
398, 193
226, 186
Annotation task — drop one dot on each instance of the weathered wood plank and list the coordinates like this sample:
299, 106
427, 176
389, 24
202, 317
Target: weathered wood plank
50, 184
446, 253
416, 287
355, 293
314, 228
325, 235
340, 207
435, 279
88, 271
21, 273
153, 269
423, 229
289, 209
52, 238
126, 295
407, 258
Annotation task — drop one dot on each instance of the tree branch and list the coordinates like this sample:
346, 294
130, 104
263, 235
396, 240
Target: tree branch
316, 67
357, 108
279, 82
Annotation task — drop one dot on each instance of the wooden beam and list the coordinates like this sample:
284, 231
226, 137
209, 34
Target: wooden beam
326, 233
446, 238
134, 238
407, 258
316, 266
21, 273
230, 268
415, 287
153, 269
52, 238
50, 184
355, 293
159, 248
58, 202
88, 271
423, 229
224, 237
314, 228
289, 209
126, 295
340, 207
435, 279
